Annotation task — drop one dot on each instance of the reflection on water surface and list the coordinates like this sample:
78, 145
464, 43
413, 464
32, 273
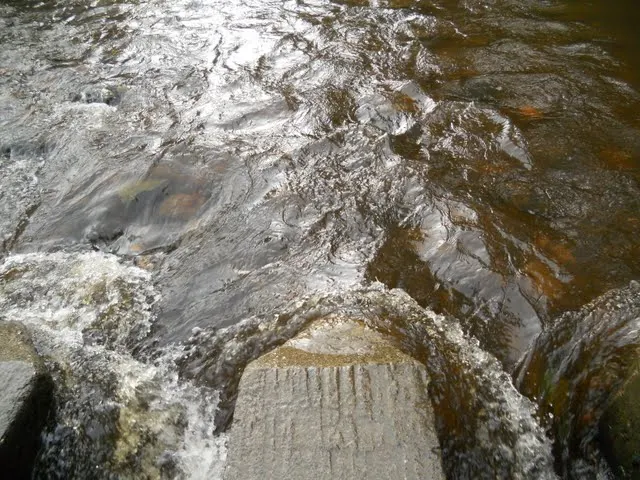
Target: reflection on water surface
482, 156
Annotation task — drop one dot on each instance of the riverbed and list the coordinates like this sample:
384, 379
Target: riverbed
185, 184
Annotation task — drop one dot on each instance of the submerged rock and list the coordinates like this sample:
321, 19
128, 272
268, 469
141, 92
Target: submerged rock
25, 400
620, 430
583, 372
337, 401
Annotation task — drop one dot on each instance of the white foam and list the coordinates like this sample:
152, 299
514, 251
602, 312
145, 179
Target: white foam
64, 297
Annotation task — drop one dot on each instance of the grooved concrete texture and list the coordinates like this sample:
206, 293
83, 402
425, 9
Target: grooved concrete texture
25, 400
337, 402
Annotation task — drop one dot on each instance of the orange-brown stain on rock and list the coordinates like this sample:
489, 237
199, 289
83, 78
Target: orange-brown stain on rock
556, 251
491, 168
617, 159
146, 262
136, 247
404, 103
532, 113
183, 205
544, 279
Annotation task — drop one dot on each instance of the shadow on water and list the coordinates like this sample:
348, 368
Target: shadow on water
618, 20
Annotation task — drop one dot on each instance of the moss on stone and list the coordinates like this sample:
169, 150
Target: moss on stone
330, 343
15, 344
129, 192
295, 357
620, 430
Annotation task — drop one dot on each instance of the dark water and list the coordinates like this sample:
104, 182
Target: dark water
258, 158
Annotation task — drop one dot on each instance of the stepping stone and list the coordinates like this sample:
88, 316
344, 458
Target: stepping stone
339, 401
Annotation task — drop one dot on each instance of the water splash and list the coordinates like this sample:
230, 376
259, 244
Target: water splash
119, 412
487, 429
576, 367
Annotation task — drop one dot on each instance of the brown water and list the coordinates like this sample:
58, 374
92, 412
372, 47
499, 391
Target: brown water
482, 156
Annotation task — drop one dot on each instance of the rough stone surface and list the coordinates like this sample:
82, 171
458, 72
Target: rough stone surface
337, 402
25, 399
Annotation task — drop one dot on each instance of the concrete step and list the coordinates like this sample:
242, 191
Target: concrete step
338, 401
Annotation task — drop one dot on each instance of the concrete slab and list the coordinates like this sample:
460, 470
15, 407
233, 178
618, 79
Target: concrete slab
338, 401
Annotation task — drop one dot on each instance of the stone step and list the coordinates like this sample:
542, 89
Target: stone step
338, 401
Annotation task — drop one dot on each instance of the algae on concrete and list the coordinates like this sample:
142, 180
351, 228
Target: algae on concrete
333, 343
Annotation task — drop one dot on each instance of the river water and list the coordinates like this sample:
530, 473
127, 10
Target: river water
184, 185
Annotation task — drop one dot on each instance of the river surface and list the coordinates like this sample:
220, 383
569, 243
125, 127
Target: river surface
185, 184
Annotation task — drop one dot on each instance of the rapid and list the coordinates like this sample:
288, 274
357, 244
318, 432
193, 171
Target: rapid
186, 184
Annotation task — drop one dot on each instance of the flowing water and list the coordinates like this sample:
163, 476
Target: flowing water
184, 185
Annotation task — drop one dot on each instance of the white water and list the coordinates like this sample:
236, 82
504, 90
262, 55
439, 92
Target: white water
89, 311
63, 297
